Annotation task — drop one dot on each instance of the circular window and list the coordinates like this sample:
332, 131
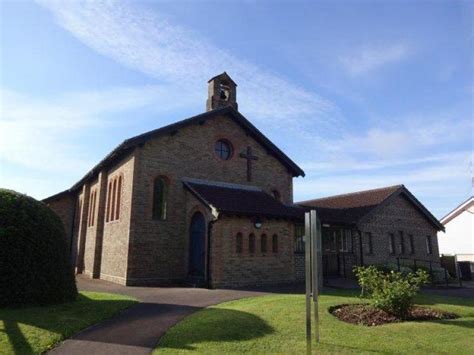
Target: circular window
223, 149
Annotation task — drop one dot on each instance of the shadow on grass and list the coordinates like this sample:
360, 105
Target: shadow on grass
429, 299
64, 319
216, 325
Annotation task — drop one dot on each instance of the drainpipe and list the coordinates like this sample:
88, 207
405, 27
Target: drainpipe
215, 215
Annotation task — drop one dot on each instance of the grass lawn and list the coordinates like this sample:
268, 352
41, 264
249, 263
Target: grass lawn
276, 324
37, 329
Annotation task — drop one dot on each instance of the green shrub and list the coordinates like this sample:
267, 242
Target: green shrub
404, 269
35, 267
392, 292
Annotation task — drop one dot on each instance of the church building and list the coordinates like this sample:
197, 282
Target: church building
206, 201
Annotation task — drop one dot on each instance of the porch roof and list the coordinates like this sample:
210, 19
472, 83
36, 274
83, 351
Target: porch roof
241, 200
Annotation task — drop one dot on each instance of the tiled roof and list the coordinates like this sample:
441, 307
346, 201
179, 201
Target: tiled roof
352, 200
344, 216
352, 207
348, 209
242, 201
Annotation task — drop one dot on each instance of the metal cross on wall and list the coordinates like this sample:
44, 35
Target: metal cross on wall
249, 158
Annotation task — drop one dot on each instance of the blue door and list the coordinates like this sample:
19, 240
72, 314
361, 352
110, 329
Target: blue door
197, 251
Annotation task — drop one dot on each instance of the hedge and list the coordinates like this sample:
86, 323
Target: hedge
35, 267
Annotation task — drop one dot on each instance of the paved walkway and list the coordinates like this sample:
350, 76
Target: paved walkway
138, 329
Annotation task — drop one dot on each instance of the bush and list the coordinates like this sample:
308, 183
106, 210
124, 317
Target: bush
387, 268
35, 267
392, 292
436, 274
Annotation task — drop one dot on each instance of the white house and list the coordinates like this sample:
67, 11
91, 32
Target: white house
459, 236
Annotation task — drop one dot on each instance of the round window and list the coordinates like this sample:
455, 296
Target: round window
223, 149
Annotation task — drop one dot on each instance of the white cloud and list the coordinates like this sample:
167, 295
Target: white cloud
351, 164
366, 59
141, 39
443, 182
408, 136
44, 133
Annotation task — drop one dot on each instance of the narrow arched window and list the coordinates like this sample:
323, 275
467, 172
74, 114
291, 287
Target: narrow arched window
263, 244
109, 201
275, 243
159, 198
251, 244
114, 198
238, 243
276, 195
119, 197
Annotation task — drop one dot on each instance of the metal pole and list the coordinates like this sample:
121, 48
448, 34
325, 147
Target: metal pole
314, 271
307, 247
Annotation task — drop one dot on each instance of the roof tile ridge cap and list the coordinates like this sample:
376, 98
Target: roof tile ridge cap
352, 193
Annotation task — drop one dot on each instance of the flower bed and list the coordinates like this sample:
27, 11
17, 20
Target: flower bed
366, 314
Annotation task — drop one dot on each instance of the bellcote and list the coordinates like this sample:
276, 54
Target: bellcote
222, 92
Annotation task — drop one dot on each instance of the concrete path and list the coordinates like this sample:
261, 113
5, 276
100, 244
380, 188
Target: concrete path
138, 329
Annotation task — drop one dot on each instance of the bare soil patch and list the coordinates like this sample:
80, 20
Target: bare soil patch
365, 314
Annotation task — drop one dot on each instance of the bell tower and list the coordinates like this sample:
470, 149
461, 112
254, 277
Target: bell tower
222, 92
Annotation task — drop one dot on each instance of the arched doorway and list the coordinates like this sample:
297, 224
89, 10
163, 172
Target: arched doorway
197, 252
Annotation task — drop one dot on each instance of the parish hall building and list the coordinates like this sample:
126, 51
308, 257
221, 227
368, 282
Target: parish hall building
209, 201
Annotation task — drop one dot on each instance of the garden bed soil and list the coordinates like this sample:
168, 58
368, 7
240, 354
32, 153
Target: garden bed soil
365, 314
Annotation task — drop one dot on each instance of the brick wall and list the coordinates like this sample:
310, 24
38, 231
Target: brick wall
398, 215
159, 248
115, 241
231, 269
64, 207
300, 266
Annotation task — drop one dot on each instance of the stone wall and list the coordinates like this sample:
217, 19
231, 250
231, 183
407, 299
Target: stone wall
231, 269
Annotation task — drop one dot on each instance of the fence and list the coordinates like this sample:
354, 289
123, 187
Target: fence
418, 263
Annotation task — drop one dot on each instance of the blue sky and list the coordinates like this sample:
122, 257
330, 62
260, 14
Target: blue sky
360, 94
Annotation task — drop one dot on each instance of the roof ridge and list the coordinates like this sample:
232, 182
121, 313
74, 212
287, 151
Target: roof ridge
236, 115
351, 193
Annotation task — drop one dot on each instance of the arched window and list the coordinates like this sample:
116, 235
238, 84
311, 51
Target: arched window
263, 244
275, 243
114, 198
119, 197
91, 211
109, 201
276, 195
238, 243
251, 244
159, 198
